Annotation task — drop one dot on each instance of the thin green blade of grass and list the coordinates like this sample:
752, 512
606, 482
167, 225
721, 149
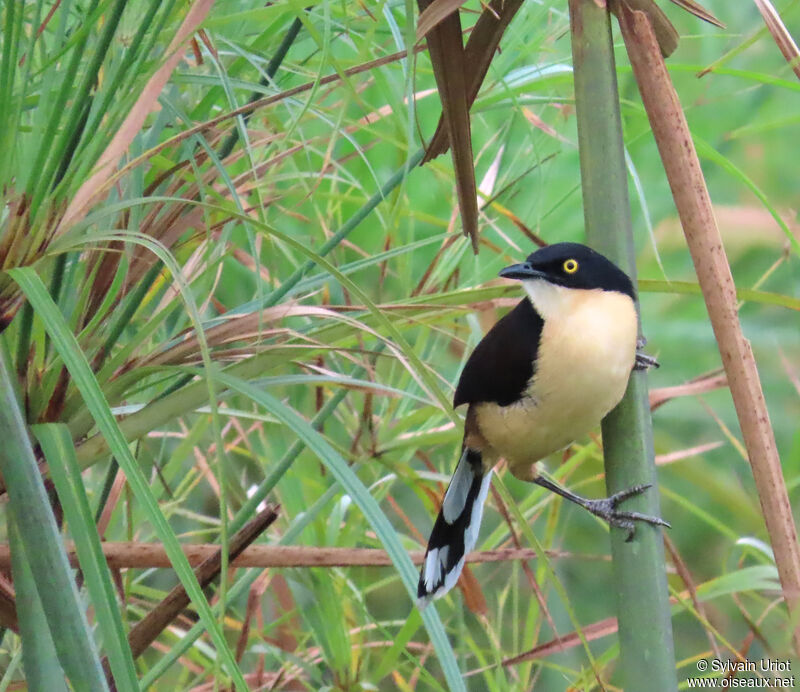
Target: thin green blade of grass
63, 76
272, 68
43, 551
194, 395
317, 258
67, 346
748, 295
752, 578
426, 377
9, 106
63, 149
59, 451
39, 656
351, 484
163, 410
399, 643
277, 472
129, 69
162, 253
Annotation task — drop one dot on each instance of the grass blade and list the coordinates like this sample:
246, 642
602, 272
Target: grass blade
43, 550
39, 657
59, 451
377, 519
67, 346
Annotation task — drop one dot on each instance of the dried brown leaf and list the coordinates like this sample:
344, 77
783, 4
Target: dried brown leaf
790, 371
144, 632
526, 568
125, 555
699, 11
671, 457
435, 13
478, 54
474, 599
666, 35
780, 33
540, 124
685, 574
447, 58
682, 166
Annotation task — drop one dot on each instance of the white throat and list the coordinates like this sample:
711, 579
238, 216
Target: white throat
550, 300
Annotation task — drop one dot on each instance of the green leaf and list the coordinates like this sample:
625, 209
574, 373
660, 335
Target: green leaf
75, 361
754, 578
353, 486
43, 561
59, 452
692, 288
39, 656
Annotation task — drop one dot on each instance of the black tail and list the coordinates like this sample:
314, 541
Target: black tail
456, 529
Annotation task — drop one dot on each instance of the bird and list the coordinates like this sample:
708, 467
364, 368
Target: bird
545, 374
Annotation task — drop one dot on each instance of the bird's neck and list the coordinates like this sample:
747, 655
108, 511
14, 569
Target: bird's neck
549, 300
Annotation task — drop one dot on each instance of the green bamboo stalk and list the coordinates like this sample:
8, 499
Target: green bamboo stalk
645, 628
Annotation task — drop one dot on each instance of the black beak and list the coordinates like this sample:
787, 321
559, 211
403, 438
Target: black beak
521, 272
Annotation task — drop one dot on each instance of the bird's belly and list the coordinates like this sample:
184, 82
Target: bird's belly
582, 371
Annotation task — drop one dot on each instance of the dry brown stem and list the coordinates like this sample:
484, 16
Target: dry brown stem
145, 632
148, 555
685, 176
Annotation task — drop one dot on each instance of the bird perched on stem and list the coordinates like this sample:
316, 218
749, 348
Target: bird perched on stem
545, 374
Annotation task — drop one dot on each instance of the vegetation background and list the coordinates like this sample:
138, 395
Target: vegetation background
225, 292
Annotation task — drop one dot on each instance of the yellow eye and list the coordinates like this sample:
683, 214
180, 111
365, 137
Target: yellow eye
570, 266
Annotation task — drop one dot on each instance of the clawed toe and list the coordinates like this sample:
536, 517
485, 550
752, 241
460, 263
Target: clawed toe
616, 498
607, 509
645, 362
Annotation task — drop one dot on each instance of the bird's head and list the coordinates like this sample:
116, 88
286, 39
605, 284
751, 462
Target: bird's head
556, 270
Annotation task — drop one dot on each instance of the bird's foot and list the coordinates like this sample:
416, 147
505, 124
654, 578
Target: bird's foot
645, 362
606, 509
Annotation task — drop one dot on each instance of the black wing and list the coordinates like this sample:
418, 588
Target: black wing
501, 365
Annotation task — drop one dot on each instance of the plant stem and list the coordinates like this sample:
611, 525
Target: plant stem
645, 628
674, 140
